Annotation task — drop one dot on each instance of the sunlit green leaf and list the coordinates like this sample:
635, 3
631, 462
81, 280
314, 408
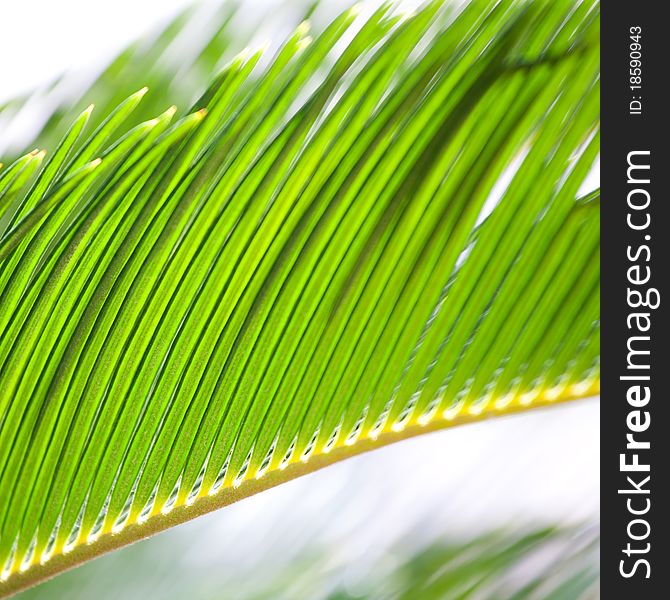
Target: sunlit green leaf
377, 232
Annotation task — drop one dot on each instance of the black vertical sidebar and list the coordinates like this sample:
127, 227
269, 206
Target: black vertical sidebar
635, 243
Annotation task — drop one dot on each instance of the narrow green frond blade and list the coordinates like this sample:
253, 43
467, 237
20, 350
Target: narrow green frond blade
372, 234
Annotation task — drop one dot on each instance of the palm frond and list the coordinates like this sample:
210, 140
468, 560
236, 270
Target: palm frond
377, 234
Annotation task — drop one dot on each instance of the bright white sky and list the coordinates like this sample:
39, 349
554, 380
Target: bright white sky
41, 38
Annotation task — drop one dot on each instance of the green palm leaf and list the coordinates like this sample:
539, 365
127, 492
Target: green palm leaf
316, 260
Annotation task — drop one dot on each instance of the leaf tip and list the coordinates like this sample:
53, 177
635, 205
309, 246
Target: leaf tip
264, 45
303, 28
407, 14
